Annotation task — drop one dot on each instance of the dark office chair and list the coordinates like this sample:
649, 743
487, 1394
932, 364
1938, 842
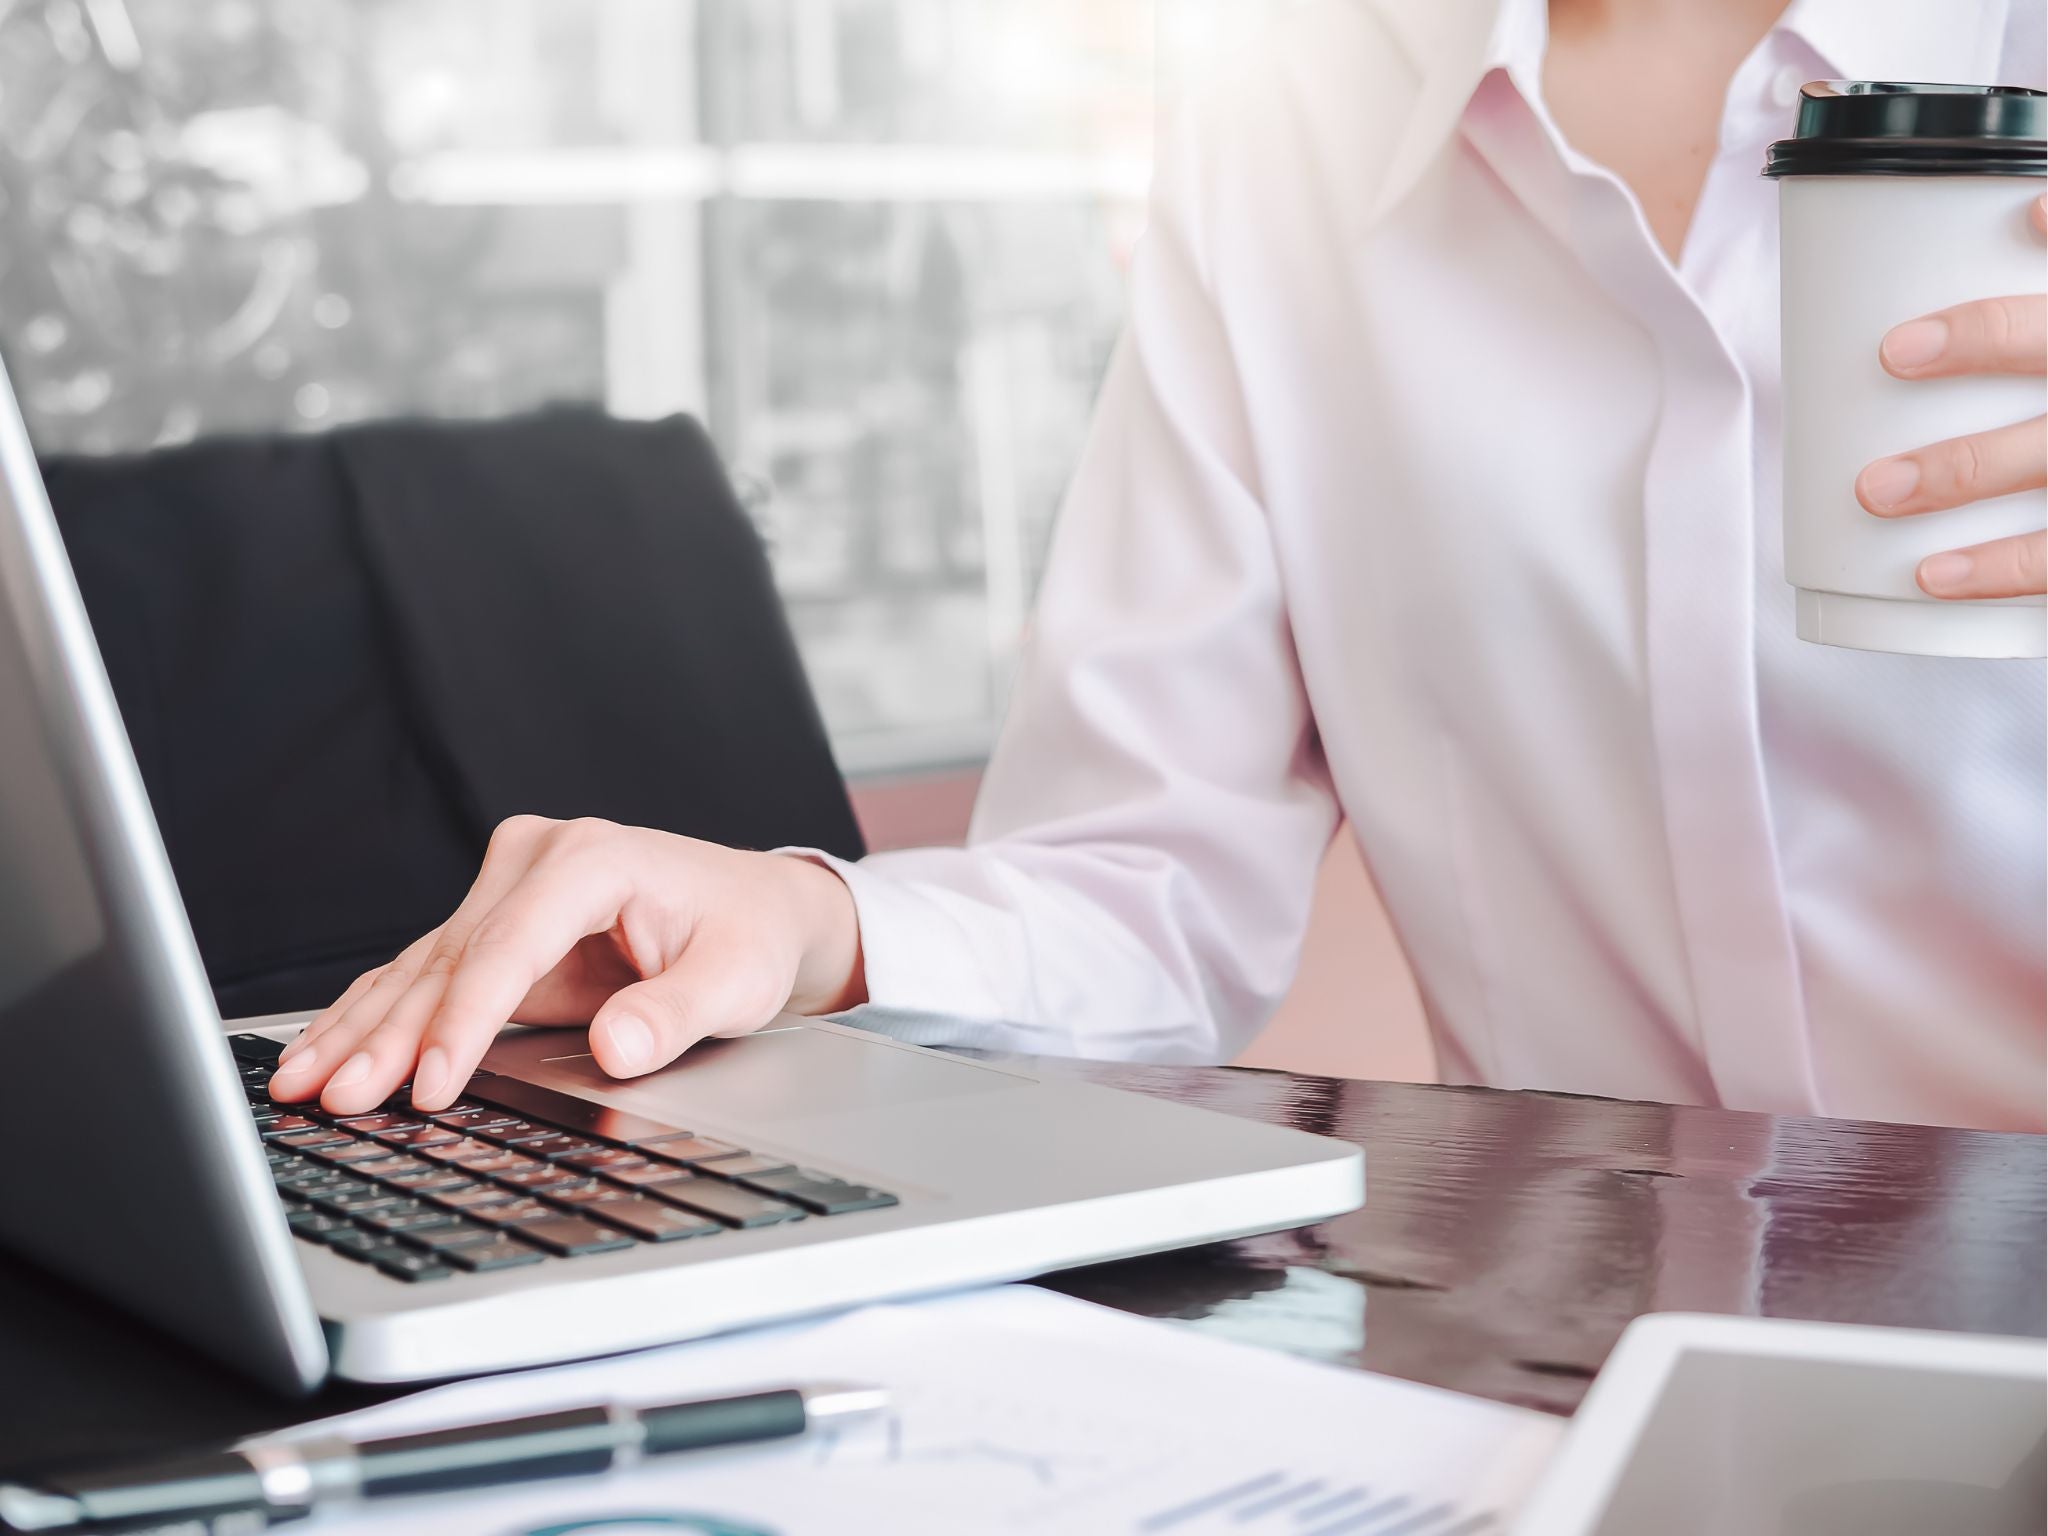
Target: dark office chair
344, 659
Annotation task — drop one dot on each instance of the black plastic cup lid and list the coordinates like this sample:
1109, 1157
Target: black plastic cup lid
1887, 128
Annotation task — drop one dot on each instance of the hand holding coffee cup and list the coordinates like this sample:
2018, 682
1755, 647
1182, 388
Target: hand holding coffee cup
2006, 335
1911, 213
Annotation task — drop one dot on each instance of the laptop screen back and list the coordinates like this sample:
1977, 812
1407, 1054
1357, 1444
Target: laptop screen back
133, 1168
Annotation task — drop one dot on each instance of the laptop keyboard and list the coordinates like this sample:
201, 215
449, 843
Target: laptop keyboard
513, 1174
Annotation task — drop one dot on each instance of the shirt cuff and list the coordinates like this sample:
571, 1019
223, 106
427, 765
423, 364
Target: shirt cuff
922, 990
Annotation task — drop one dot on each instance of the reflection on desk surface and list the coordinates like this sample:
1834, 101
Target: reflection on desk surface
1508, 1238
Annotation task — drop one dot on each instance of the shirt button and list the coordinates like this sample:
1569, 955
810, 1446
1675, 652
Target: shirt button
1785, 85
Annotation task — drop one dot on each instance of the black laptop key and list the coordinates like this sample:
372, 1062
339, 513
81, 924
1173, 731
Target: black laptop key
515, 1212
308, 1175
421, 1136
387, 1165
361, 1245
403, 1264
580, 1192
302, 1162
304, 1185
450, 1239
289, 1124
347, 1154
318, 1136
455, 1151
315, 1223
639, 1172
471, 1118
565, 1112
602, 1159
819, 1193
494, 1160
558, 1145
481, 1198
650, 1220
512, 1132
499, 1253
392, 1203
570, 1236
689, 1149
352, 1202
729, 1203
469, 1193
427, 1220
539, 1180
370, 1125
747, 1165
429, 1180
254, 1049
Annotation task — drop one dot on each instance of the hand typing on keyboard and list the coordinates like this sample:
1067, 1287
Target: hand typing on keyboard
655, 940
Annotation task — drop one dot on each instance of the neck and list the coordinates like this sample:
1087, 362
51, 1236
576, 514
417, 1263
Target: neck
1577, 16
1639, 86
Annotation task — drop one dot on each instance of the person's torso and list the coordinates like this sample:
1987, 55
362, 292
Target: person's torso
1522, 474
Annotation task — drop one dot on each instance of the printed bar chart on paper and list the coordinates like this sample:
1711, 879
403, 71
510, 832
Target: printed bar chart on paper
1013, 1410
1274, 1502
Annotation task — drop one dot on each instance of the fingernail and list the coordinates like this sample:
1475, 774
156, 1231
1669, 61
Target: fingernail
291, 1049
289, 1074
352, 1071
1916, 343
430, 1076
632, 1042
1946, 573
1888, 482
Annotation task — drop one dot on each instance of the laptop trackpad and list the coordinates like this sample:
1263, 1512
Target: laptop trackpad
774, 1075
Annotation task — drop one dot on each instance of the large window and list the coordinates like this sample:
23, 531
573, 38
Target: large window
877, 245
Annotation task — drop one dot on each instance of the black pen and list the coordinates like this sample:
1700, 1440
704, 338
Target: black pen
249, 1486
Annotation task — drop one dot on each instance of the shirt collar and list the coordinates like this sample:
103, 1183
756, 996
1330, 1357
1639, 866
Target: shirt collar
1453, 44
1450, 44
1521, 32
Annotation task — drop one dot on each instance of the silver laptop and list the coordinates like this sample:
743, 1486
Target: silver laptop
553, 1212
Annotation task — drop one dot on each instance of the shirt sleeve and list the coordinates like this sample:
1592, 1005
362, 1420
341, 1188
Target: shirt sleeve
1139, 868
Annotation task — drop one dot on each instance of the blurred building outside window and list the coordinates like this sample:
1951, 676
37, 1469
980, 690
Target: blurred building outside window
877, 245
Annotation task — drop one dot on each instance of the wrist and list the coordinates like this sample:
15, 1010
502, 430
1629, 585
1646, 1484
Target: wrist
830, 976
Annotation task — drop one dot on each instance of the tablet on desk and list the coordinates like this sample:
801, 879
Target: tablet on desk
1733, 1426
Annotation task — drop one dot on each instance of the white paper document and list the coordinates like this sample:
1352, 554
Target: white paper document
1014, 1410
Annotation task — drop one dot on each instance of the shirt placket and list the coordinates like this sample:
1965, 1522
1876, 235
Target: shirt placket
1699, 551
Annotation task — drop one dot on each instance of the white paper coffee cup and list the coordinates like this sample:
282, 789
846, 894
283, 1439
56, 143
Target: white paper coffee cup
1896, 201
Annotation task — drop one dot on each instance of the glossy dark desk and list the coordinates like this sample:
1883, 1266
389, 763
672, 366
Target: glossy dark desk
1506, 1241
1508, 1238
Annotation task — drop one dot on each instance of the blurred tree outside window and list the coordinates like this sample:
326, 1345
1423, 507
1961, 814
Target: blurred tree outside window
877, 245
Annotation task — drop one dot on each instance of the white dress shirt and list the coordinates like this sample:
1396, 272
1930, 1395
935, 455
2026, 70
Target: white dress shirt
1424, 488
